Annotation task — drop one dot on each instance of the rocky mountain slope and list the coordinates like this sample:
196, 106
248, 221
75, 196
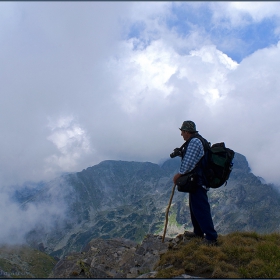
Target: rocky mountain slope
237, 255
118, 199
113, 258
112, 199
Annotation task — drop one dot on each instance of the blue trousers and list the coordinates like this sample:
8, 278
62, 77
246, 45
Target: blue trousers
201, 214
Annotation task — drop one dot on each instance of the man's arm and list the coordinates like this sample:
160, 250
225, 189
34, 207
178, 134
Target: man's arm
193, 154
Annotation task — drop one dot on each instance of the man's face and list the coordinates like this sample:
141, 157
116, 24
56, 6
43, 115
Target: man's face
186, 135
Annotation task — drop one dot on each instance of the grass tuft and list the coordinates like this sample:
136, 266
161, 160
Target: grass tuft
238, 255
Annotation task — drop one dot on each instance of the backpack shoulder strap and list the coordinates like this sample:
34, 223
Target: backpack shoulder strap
205, 143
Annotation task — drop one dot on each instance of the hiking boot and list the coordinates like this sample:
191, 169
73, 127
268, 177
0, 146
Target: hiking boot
209, 242
189, 234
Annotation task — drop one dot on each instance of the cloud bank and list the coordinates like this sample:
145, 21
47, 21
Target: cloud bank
85, 82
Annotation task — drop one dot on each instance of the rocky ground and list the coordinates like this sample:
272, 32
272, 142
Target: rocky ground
116, 258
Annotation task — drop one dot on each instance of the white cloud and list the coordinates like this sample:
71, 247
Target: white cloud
149, 70
257, 10
243, 13
19, 220
128, 96
254, 119
71, 142
211, 77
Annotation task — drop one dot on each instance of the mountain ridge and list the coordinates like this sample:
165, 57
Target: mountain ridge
128, 199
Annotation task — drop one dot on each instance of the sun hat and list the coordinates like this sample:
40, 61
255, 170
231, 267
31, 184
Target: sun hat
188, 126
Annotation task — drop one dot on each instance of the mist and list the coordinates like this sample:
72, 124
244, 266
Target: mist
83, 82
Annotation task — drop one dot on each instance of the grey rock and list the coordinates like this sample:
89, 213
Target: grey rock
113, 258
134, 261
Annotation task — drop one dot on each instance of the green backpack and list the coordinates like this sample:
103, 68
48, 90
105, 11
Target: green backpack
218, 164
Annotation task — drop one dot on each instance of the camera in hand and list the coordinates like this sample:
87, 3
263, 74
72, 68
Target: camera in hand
177, 152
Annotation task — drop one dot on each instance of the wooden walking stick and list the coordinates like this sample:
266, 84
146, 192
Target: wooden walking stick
167, 211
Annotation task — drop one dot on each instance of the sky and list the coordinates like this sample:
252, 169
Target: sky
83, 82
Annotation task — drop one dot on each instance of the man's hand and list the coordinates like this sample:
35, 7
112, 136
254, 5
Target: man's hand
176, 177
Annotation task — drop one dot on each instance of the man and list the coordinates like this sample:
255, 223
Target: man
198, 201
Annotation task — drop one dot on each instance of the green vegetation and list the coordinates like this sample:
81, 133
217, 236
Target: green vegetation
238, 255
25, 262
172, 216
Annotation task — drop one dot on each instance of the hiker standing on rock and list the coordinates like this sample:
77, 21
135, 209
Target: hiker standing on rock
192, 152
